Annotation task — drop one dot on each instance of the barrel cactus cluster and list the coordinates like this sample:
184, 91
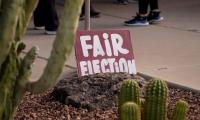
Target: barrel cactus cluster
152, 107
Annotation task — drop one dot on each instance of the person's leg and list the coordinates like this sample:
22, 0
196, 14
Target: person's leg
39, 15
154, 15
83, 9
93, 12
141, 18
143, 7
153, 5
51, 21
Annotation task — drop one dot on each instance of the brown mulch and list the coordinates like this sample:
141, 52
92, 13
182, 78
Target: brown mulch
45, 107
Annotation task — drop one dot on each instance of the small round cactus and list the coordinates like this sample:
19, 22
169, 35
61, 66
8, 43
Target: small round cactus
180, 110
156, 100
130, 111
129, 92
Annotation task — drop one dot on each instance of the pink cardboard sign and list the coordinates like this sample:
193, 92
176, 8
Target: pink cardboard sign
102, 51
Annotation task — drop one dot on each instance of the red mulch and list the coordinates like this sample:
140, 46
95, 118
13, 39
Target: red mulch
44, 107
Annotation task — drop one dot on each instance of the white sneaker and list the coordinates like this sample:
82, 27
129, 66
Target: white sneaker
39, 27
50, 32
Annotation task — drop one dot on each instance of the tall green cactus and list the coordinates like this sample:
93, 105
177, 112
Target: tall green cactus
129, 92
156, 100
180, 110
14, 71
62, 46
130, 111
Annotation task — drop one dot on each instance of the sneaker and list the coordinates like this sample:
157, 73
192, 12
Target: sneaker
137, 21
82, 17
95, 14
154, 17
122, 2
39, 27
133, 1
52, 32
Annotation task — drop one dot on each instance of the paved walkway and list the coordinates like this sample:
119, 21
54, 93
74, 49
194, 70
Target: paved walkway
170, 50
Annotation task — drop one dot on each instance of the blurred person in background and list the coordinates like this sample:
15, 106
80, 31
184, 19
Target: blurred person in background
143, 17
45, 17
125, 2
93, 12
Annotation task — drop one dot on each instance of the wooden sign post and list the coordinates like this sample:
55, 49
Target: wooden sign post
102, 51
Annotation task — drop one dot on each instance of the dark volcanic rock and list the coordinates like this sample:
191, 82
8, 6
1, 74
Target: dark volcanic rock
95, 91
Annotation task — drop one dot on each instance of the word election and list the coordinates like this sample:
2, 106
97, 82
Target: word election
104, 52
107, 65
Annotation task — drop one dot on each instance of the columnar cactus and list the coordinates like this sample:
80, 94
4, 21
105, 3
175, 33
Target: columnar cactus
156, 100
180, 110
130, 111
129, 92
14, 70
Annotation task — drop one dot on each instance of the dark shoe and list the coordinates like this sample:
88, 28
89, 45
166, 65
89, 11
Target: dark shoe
39, 27
94, 14
122, 2
133, 1
154, 17
51, 31
82, 17
137, 21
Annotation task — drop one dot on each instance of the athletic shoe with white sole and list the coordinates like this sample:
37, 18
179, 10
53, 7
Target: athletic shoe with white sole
137, 21
122, 2
50, 32
154, 17
39, 28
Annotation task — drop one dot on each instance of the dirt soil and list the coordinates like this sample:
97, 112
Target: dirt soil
92, 98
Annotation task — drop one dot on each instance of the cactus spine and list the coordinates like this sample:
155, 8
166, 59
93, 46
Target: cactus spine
129, 92
156, 100
180, 110
130, 111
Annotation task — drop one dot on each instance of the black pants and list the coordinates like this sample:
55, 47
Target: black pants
45, 15
92, 10
143, 5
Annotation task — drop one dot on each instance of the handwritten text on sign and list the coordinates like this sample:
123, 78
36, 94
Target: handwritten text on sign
103, 51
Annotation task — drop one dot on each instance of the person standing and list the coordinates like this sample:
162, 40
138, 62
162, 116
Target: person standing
143, 18
93, 13
45, 16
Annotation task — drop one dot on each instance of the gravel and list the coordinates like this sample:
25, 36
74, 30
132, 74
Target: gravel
92, 98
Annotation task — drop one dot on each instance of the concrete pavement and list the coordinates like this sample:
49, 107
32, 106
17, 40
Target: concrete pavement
170, 50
